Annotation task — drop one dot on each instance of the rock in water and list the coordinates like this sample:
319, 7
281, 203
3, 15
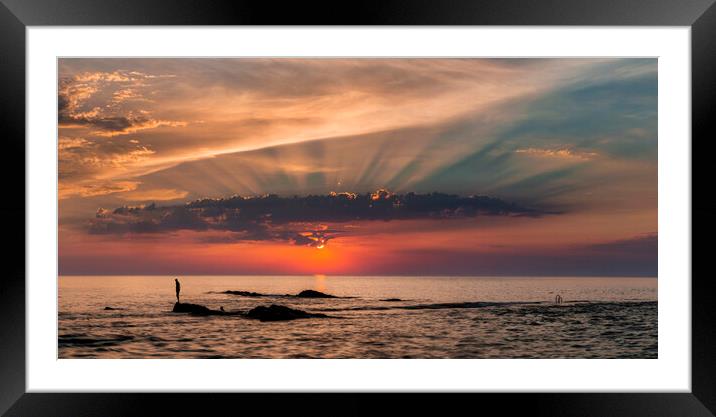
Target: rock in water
192, 308
314, 294
199, 310
244, 293
279, 313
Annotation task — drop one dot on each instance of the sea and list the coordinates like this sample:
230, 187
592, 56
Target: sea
371, 317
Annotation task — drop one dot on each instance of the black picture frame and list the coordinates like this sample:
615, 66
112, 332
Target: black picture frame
16, 15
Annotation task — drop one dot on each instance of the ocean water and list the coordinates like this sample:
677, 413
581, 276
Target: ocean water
437, 317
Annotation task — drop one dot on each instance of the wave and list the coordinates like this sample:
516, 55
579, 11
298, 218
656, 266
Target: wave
485, 304
92, 341
475, 304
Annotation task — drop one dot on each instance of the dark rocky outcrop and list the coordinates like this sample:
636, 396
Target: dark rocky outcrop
244, 293
391, 299
191, 308
302, 294
314, 294
200, 310
279, 313
272, 313
112, 308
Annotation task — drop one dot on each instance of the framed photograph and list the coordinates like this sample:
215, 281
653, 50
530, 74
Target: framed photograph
401, 199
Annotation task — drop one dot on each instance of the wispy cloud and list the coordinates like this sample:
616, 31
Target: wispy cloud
161, 194
564, 153
95, 188
82, 163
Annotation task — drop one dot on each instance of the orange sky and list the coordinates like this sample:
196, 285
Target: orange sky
573, 140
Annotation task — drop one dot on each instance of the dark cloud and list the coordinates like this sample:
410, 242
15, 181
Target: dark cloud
116, 123
62, 105
300, 220
94, 100
109, 125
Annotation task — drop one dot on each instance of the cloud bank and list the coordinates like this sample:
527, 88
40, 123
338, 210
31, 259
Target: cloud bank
299, 219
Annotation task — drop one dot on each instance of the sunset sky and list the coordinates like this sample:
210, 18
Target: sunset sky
525, 167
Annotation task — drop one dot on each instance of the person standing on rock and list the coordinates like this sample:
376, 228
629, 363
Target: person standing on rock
178, 286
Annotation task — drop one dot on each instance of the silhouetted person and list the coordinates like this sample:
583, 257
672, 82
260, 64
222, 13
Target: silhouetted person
222, 309
558, 299
178, 286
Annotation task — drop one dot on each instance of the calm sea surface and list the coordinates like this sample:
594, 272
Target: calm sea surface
437, 317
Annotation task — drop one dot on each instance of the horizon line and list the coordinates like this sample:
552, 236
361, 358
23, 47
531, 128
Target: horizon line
359, 275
